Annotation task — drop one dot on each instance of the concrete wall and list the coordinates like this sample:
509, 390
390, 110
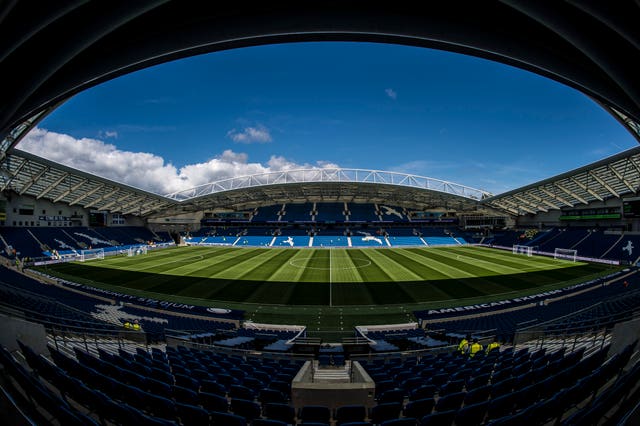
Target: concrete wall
31, 334
623, 335
360, 391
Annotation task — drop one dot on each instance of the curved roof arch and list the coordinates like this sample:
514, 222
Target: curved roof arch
330, 184
589, 45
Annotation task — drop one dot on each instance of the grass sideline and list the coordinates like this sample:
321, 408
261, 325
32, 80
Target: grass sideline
329, 289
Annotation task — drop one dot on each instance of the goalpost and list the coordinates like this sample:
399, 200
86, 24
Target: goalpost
136, 251
526, 250
567, 254
91, 254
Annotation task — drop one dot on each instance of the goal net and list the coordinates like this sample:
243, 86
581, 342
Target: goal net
91, 254
525, 250
566, 254
136, 251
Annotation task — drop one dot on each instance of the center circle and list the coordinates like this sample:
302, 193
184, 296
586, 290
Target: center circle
358, 263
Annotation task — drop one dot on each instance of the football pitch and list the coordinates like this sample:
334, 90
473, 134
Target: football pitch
328, 277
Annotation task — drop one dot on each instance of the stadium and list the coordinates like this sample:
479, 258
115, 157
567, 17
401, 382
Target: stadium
333, 296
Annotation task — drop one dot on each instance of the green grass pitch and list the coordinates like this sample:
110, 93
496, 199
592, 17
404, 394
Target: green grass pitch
329, 288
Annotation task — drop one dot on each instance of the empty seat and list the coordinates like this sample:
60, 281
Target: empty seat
279, 411
245, 408
425, 391
350, 413
392, 395
472, 414
477, 395
386, 411
450, 402
213, 402
226, 419
242, 392
407, 421
268, 422
315, 413
271, 395
419, 408
191, 415
442, 418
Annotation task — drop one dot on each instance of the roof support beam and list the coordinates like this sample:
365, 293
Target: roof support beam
150, 208
137, 206
518, 208
113, 202
53, 185
15, 174
70, 190
620, 177
529, 203
32, 181
542, 200
603, 183
101, 199
586, 188
634, 164
555, 197
570, 193
136, 200
87, 194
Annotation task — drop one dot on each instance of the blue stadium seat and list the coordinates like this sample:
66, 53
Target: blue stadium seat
350, 413
226, 419
407, 421
442, 418
268, 422
472, 414
191, 415
419, 408
386, 411
279, 411
314, 414
245, 408
213, 402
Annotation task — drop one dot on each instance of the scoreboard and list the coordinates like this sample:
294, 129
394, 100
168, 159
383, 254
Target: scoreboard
631, 207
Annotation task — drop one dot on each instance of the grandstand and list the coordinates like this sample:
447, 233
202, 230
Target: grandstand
76, 351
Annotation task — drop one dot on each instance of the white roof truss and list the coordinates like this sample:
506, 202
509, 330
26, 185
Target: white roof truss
613, 177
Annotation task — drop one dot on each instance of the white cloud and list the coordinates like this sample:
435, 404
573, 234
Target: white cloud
108, 134
391, 93
258, 134
145, 170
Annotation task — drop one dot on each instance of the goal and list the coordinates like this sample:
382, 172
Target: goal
567, 254
526, 250
137, 250
91, 254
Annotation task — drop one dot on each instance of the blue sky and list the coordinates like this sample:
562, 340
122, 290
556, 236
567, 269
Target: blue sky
387, 107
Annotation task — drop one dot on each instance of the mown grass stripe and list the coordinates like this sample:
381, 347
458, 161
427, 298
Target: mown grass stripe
394, 267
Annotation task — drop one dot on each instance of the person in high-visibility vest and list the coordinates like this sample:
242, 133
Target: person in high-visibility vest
463, 347
475, 347
493, 345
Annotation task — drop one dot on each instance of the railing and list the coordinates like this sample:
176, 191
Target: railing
177, 338
596, 330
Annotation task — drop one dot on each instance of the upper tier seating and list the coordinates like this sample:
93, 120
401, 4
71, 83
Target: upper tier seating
330, 212
362, 212
268, 213
297, 212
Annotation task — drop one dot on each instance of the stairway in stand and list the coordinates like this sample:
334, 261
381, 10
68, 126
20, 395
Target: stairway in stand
332, 374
